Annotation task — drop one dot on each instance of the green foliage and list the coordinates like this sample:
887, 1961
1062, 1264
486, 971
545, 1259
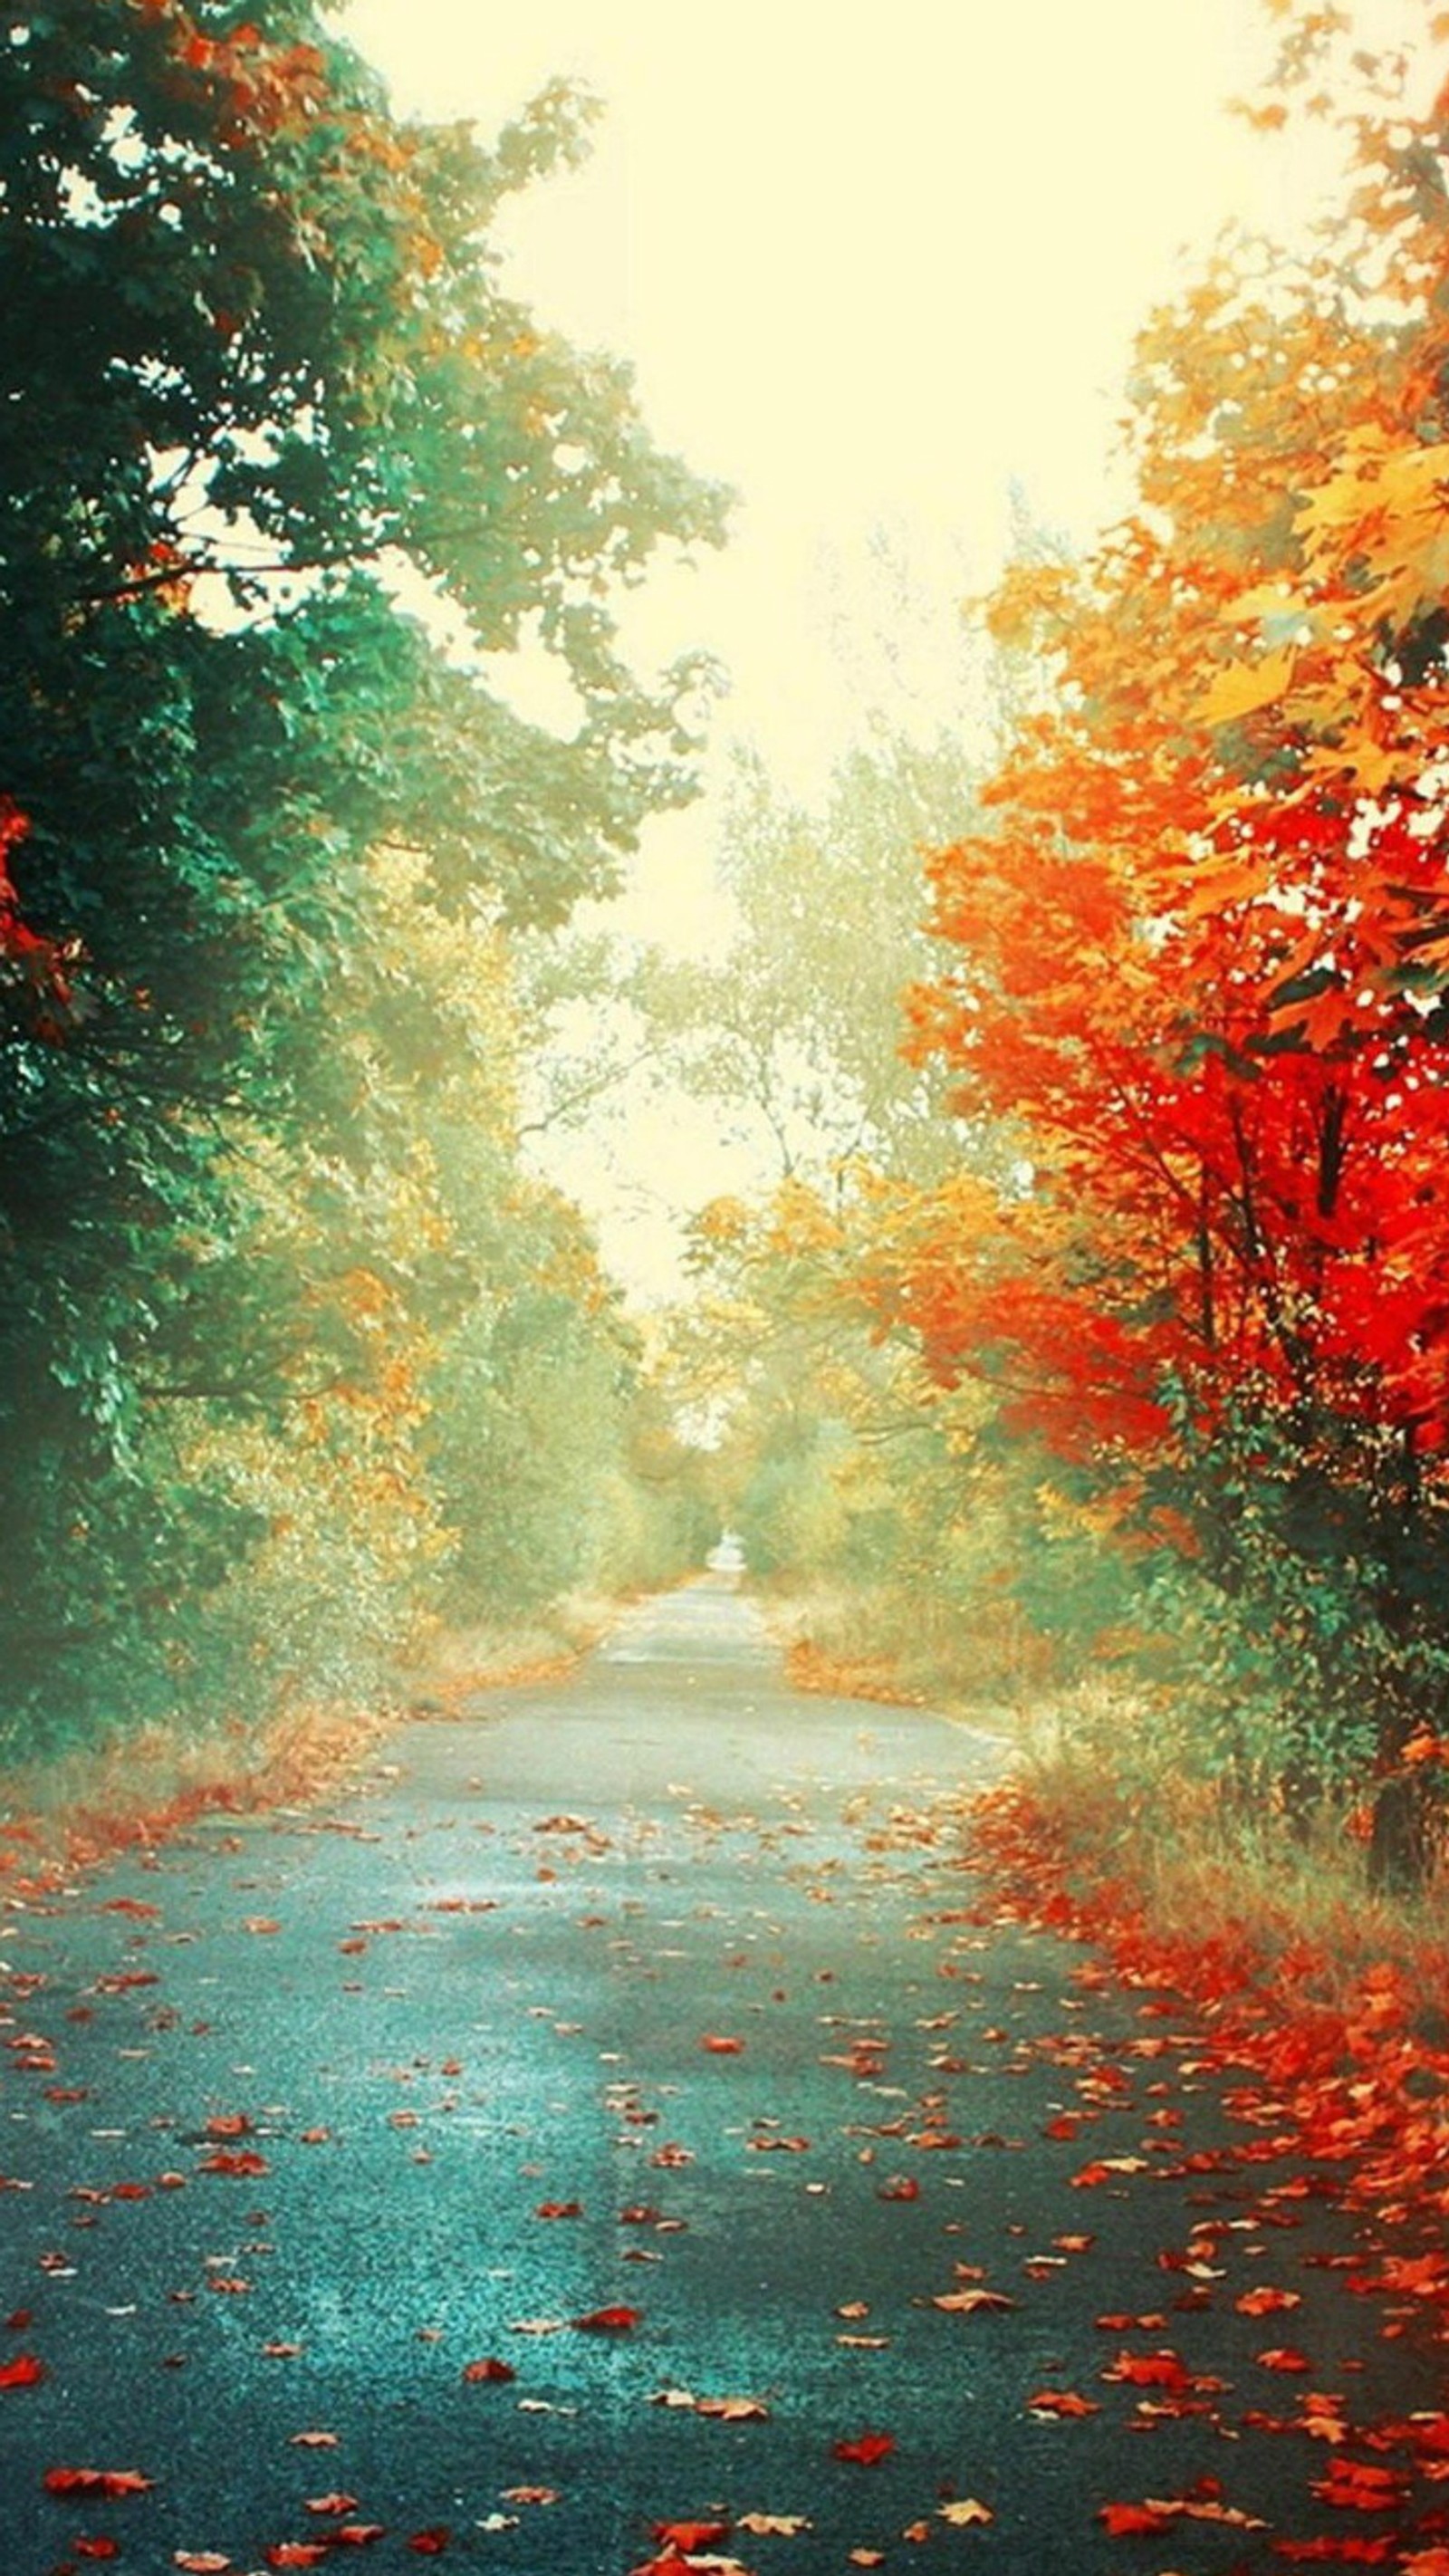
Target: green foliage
259, 387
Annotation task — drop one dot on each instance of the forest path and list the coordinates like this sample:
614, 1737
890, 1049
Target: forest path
645, 2037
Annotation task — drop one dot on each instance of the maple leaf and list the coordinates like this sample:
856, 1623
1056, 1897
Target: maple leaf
1125, 2520
97, 2482
690, 2537
968, 2302
296, 2553
1150, 2370
1062, 2401
607, 2320
865, 2448
335, 2503
966, 2513
432, 2542
27, 2370
721, 2047
559, 2209
786, 2525
480, 2371
200, 2562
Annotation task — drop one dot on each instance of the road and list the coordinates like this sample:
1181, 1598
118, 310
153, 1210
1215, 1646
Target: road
622, 2111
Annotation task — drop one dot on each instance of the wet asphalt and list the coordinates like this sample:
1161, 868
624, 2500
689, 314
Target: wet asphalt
572, 2131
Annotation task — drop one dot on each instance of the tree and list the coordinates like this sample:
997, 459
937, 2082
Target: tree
259, 387
1201, 956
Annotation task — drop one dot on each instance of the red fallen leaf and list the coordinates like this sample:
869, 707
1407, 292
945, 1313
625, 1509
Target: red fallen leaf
1263, 2302
490, 2369
1150, 2370
26, 2371
720, 2047
867, 2448
670, 2154
559, 2209
1123, 2520
1282, 2357
296, 2553
780, 2146
1349, 2552
607, 2320
97, 2482
200, 2562
1360, 2485
247, 2161
333, 2504
19, 2319
690, 2537
1426, 2562
900, 2187
355, 2535
1061, 2401
432, 2542
228, 2124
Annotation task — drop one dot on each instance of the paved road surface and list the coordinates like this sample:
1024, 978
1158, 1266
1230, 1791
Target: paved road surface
645, 2036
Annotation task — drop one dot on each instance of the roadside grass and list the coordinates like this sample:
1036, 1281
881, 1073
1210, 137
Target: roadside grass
1207, 1867
132, 1790
879, 1646
1104, 1795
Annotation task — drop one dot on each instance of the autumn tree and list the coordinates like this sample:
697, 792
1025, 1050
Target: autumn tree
1201, 959
264, 399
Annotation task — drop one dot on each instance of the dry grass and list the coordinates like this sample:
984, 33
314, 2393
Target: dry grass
130, 1794
1294, 1891
833, 1643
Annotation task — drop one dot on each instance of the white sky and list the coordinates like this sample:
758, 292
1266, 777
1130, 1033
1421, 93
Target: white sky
868, 270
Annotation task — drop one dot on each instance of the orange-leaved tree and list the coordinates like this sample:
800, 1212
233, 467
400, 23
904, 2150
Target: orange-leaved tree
1203, 945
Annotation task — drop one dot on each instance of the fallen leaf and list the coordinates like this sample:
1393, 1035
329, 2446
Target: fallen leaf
865, 2448
27, 2370
97, 2482
607, 2320
967, 2512
490, 2369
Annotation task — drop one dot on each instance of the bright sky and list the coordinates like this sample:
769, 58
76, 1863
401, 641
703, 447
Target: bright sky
868, 271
